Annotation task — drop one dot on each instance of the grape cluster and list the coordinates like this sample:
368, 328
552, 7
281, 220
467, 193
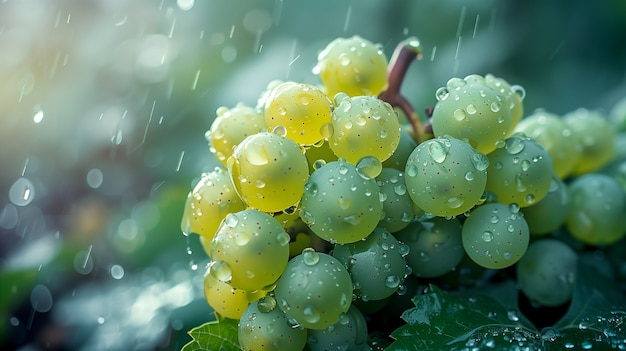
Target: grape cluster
326, 207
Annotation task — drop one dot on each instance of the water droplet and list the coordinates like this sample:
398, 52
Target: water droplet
241, 238
455, 202
310, 257
311, 188
514, 145
437, 151
506, 255
266, 304
344, 204
399, 189
392, 281
311, 314
221, 271
494, 106
442, 94
283, 239
459, 114
369, 167
360, 120
530, 199
519, 183
469, 176
498, 165
495, 219
327, 130
352, 219
411, 170
471, 109
514, 208
257, 155
487, 236
38, 116
518, 89
22, 192
319, 164
480, 161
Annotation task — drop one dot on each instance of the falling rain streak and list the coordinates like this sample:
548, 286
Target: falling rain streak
347, 22
180, 160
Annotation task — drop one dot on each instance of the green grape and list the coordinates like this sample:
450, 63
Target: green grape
301, 109
349, 334
469, 110
340, 204
513, 94
435, 246
617, 167
230, 127
555, 136
547, 272
209, 202
598, 205
315, 290
376, 264
406, 145
617, 116
269, 171
520, 171
549, 214
595, 137
318, 155
445, 176
264, 327
495, 235
227, 301
397, 204
363, 126
354, 66
250, 250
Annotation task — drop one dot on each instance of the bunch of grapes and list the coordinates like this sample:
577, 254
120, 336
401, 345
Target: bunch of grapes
331, 200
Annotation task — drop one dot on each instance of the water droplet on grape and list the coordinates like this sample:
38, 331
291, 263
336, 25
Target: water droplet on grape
310, 257
455, 202
399, 189
344, 204
283, 239
221, 271
311, 188
257, 155
392, 281
442, 94
459, 114
530, 199
514, 145
487, 236
369, 167
437, 151
469, 176
352, 219
480, 161
231, 220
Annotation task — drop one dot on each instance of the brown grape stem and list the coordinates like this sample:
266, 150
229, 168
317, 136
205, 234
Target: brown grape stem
406, 51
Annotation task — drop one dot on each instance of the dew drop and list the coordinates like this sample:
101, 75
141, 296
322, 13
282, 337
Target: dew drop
266, 304
480, 161
514, 145
487, 236
280, 130
311, 188
459, 114
455, 202
231, 220
369, 167
392, 281
442, 94
257, 155
399, 189
530, 199
241, 238
352, 219
411, 171
310, 257
494, 106
471, 109
283, 239
469, 176
221, 271
344, 204
311, 314
437, 151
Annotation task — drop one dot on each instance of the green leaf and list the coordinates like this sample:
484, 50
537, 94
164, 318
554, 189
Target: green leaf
220, 335
441, 320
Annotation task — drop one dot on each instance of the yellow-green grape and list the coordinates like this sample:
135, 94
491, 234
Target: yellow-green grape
555, 136
397, 204
230, 127
446, 176
250, 250
435, 246
209, 202
301, 109
469, 110
264, 327
514, 94
598, 208
354, 66
315, 291
549, 214
617, 116
520, 171
406, 145
363, 126
495, 235
595, 136
266, 93
547, 272
349, 334
341, 204
376, 264
225, 300
319, 155
269, 171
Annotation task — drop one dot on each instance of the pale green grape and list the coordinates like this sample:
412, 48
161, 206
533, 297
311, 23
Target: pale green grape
549, 214
260, 105
301, 109
209, 202
230, 127
598, 208
556, 137
595, 136
227, 301
349, 334
495, 235
446, 176
340, 204
513, 94
264, 327
269, 171
469, 110
520, 171
406, 145
547, 272
250, 250
435, 246
363, 126
397, 204
376, 264
617, 116
354, 66
315, 290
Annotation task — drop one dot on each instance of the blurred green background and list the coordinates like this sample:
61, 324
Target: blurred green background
104, 105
